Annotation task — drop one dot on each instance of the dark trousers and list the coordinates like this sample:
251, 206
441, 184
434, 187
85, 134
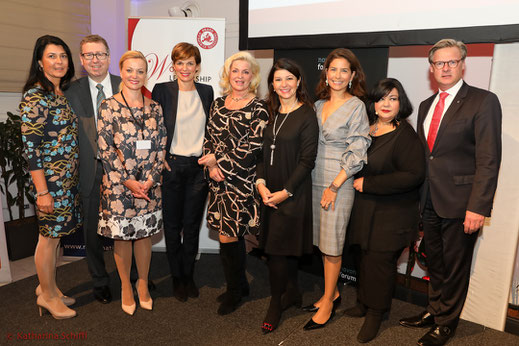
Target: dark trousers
93, 241
184, 192
377, 278
449, 256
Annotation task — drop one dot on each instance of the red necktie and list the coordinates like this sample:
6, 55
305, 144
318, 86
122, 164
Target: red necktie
435, 122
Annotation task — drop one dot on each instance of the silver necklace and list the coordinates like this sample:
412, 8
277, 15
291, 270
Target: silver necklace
275, 133
236, 99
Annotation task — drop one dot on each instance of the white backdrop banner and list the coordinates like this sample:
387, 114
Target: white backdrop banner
155, 38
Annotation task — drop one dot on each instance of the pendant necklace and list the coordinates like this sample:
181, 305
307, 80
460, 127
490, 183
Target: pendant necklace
275, 133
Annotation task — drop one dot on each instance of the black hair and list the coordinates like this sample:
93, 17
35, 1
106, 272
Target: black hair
291, 66
382, 89
36, 75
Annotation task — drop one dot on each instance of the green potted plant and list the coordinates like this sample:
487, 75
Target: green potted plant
21, 232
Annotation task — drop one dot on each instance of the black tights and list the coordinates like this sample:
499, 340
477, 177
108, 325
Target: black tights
283, 278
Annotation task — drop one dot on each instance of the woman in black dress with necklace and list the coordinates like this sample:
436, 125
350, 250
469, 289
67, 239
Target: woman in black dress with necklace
385, 214
285, 184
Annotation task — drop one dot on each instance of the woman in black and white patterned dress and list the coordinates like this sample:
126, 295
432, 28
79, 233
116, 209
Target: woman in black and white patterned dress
231, 149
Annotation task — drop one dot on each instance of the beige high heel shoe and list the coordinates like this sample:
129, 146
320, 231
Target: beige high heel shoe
42, 303
129, 309
145, 305
68, 301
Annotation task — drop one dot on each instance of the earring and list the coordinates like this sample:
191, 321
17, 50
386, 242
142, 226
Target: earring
349, 84
326, 82
39, 68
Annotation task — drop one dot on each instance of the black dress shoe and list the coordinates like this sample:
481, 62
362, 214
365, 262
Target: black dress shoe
310, 325
179, 290
102, 294
437, 336
423, 320
313, 308
191, 289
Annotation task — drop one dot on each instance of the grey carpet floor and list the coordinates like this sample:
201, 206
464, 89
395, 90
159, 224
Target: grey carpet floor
195, 322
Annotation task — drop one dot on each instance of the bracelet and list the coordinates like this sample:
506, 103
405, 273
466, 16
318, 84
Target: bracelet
260, 181
290, 194
43, 193
333, 188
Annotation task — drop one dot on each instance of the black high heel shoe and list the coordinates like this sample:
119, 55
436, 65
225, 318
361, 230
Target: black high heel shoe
310, 325
313, 308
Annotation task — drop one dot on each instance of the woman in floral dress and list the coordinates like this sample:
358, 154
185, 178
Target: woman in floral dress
132, 139
49, 134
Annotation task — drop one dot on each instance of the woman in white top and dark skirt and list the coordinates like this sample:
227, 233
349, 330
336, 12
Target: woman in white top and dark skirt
185, 105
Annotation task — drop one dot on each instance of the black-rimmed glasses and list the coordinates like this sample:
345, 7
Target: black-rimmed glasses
452, 63
90, 56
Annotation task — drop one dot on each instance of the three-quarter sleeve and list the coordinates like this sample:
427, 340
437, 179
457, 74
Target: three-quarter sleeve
33, 111
357, 141
238, 160
107, 129
159, 135
208, 144
308, 151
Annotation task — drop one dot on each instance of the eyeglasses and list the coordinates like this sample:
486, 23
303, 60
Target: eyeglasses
90, 56
452, 63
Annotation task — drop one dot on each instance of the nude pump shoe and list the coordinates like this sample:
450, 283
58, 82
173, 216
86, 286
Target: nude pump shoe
42, 303
68, 301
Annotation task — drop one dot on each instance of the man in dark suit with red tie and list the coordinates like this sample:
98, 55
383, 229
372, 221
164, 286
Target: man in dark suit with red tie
460, 127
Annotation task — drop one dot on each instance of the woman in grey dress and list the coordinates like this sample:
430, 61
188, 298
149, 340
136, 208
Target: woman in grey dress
343, 142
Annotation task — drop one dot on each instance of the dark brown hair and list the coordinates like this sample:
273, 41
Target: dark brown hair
301, 93
358, 84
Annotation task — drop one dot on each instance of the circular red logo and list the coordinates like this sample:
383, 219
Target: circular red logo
207, 38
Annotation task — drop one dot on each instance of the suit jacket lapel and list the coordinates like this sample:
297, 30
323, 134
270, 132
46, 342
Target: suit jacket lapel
203, 98
115, 80
451, 112
86, 98
424, 109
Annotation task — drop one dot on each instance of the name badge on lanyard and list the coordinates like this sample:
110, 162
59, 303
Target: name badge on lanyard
143, 144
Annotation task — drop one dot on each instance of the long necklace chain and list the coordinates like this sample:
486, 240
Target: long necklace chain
275, 133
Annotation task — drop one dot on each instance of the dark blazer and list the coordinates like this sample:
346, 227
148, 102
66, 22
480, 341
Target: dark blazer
463, 166
166, 94
385, 215
79, 97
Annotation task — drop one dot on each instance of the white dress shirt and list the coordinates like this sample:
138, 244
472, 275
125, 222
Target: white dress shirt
448, 100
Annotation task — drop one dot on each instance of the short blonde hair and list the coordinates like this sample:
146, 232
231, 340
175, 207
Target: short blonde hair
447, 43
132, 54
254, 66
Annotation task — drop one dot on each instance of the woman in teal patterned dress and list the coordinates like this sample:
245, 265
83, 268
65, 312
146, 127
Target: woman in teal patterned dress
49, 133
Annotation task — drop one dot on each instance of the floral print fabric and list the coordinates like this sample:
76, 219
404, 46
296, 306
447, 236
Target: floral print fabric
121, 215
49, 134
